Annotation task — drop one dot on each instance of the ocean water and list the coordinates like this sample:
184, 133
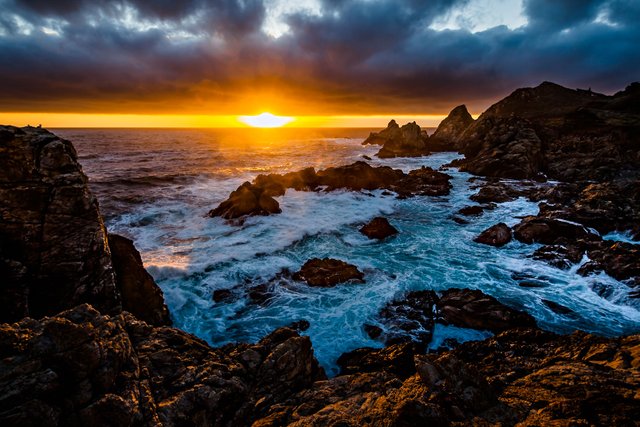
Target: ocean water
156, 186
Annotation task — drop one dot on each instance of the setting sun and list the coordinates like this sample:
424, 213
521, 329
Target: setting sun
265, 120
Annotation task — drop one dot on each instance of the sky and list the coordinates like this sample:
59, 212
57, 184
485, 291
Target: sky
327, 62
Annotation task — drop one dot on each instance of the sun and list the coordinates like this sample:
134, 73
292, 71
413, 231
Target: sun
265, 120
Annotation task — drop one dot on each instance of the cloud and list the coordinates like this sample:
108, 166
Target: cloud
348, 57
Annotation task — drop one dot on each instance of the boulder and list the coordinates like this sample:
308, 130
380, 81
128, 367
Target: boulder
140, 294
54, 252
248, 199
535, 229
396, 359
328, 272
473, 309
378, 228
409, 319
496, 235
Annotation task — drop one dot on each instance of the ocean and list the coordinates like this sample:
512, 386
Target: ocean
156, 186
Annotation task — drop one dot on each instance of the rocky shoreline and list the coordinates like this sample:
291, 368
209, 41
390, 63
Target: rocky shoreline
87, 338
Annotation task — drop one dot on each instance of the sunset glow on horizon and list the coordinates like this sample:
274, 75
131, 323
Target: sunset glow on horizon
265, 120
77, 120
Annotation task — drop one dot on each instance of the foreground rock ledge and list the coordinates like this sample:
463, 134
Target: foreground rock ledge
328, 272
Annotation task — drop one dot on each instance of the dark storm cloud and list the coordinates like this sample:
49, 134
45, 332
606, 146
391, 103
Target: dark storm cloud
355, 57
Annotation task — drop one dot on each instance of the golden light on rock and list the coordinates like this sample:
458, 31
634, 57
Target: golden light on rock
265, 120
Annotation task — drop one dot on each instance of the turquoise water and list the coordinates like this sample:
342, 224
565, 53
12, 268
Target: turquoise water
156, 187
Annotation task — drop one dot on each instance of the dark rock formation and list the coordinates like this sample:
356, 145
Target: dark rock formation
496, 235
547, 230
257, 198
248, 199
378, 228
53, 244
396, 359
473, 309
328, 272
523, 377
619, 260
471, 210
447, 135
409, 319
140, 294
569, 135
83, 368
396, 141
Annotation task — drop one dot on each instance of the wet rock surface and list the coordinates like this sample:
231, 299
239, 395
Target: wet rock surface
378, 228
54, 252
447, 136
140, 294
496, 235
328, 272
257, 198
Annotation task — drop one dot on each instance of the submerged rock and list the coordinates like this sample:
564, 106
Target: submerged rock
328, 272
496, 235
409, 319
378, 228
54, 252
141, 296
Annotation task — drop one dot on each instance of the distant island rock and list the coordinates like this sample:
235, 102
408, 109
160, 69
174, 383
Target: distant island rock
406, 141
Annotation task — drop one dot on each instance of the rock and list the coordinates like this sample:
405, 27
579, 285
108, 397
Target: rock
519, 377
471, 210
547, 231
473, 309
396, 359
562, 256
447, 135
140, 294
618, 259
248, 199
82, 368
222, 295
300, 325
328, 272
392, 131
373, 331
586, 136
497, 192
378, 228
54, 252
409, 141
257, 198
496, 235
558, 308
409, 319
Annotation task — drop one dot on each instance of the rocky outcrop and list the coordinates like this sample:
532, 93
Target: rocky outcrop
257, 198
473, 309
378, 228
54, 252
547, 230
549, 130
496, 235
447, 135
406, 141
248, 199
328, 272
520, 377
141, 296
83, 368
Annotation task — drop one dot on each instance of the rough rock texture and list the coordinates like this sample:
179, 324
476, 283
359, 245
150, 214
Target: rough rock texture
569, 135
328, 272
53, 244
257, 198
82, 368
496, 235
524, 376
248, 199
447, 135
406, 141
141, 296
535, 229
473, 309
378, 228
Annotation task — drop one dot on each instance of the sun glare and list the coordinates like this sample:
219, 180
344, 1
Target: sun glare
265, 120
